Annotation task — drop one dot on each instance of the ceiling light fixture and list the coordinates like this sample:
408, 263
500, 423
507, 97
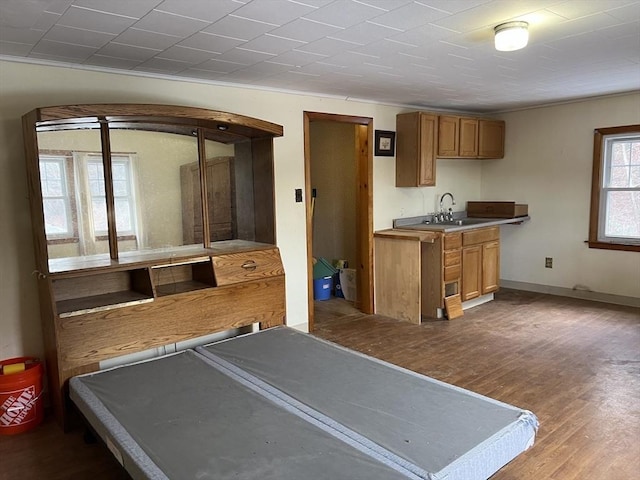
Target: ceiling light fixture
511, 36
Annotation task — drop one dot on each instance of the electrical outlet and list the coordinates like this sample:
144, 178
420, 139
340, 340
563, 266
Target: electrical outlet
548, 262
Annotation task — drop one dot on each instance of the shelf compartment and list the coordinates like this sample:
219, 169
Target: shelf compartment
174, 278
103, 291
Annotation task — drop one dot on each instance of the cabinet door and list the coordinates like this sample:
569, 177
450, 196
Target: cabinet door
490, 267
427, 167
491, 138
415, 149
468, 137
220, 193
471, 272
448, 136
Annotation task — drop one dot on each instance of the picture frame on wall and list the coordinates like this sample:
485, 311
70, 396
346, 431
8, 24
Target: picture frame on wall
385, 143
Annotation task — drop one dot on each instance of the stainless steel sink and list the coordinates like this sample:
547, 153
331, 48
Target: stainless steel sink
463, 221
449, 225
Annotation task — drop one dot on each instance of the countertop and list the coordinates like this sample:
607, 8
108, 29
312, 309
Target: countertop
417, 223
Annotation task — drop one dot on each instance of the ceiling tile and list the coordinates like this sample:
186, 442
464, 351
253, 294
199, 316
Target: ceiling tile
192, 56
344, 13
162, 65
410, 16
20, 35
297, 58
210, 42
305, 30
95, 21
621, 30
128, 8
274, 12
14, 48
88, 38
272, 44
200, 9
142, 38
364, 33
127, 51
58, 6
215, 65
243, 57
326, 46
111, 62
63, 50
46, 21
170, 24
625, 13
239, 28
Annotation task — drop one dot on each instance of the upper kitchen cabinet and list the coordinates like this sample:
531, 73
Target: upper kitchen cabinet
416, 149
467, 137
491, 138
457, 137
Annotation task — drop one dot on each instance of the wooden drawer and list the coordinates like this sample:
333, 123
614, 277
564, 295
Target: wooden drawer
452, 257
480, 235
452, 240
245, 266
452, 273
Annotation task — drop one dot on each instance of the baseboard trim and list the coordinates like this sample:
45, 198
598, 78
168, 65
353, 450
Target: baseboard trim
569, 292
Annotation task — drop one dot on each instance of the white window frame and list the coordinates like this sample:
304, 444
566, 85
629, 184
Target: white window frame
66, 197
117, 159
604, 139
79, 208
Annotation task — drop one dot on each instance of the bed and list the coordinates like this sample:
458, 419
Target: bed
281, 404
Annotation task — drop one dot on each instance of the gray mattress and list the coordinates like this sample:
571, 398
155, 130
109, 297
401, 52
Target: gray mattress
280, 404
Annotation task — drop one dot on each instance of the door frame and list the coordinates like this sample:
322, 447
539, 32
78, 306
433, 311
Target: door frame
364, 207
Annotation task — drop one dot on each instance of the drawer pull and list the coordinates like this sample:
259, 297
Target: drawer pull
249, 265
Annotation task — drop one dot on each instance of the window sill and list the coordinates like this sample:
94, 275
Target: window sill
614, 246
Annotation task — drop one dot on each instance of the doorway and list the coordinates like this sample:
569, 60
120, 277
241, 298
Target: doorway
362, 156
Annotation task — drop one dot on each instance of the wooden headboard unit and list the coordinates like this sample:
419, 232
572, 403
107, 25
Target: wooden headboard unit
150, 286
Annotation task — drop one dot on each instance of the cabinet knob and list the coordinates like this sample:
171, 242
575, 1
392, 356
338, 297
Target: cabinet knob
250, 265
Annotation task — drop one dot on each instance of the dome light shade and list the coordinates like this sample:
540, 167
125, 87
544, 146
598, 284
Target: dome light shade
511, 36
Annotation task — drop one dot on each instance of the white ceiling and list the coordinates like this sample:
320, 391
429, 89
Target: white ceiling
423, 53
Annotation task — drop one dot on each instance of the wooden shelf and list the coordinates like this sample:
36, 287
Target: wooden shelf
98, 303
184, 277
180, 287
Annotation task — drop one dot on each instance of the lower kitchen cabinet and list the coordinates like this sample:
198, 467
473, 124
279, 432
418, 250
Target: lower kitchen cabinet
480, 262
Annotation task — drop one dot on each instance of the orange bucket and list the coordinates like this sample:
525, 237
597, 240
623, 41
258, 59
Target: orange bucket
21, 407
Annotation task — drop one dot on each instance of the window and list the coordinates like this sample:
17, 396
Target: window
67, 210
57, 197
615, 191
122, 193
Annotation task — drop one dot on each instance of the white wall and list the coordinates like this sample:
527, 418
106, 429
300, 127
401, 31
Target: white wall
547, 164
24, 87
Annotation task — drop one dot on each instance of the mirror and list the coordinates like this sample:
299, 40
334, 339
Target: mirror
72, 181
151, 198
156, 185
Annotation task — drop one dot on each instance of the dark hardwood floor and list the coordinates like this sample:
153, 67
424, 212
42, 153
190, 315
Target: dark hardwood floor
574, 363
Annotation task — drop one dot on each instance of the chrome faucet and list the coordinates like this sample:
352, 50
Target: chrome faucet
449, 215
